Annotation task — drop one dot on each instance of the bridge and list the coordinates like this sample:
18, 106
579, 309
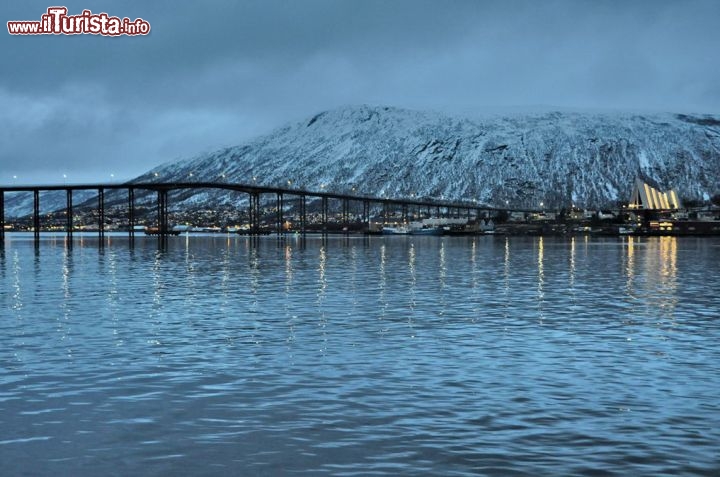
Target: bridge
254, 191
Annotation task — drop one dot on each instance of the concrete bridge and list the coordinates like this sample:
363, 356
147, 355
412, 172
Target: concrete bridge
254, 192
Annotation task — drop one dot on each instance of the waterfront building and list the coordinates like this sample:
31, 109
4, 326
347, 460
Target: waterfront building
648, 198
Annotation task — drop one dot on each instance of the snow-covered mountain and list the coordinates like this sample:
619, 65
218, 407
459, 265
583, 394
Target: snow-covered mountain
555, 158
590, 159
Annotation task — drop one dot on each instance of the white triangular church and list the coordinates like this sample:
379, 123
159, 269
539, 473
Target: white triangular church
649, 198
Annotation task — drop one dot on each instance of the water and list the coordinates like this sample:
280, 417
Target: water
362, 356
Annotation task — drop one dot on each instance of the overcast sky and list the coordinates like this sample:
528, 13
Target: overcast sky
91, 106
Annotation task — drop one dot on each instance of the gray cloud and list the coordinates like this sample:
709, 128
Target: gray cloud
217, 75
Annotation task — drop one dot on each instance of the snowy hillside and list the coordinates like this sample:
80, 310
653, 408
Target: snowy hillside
555, 158
522, 160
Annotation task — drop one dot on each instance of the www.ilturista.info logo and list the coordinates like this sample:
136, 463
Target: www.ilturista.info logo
57, 22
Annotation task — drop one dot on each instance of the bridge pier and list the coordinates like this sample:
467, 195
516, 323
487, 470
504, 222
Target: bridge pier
366, 214
2, 216
162, 212
303, 214
131, 213
256, 225
279, 202
69, 213
346, 215
254, 212
36, 215
101, 213
324, 214
251, 201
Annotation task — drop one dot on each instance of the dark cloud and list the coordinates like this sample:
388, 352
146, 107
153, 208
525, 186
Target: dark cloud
219, 72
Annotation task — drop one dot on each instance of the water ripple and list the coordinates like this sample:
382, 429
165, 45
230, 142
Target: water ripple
360, 356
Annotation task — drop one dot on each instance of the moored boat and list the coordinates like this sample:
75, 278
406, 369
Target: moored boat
396, 230
427, 231
157, 231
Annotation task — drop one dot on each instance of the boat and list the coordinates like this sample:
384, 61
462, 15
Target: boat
396, 230
461, 229
156, 231
251, 231
427, 231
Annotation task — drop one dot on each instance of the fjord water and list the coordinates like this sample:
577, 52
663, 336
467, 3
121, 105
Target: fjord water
226, 355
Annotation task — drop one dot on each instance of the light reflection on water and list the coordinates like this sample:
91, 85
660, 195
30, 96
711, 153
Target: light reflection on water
380, 355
